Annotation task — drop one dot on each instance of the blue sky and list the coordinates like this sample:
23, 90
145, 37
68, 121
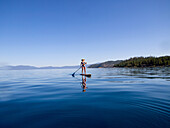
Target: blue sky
61, 32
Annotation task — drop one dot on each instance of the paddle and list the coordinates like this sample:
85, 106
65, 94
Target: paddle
75, 72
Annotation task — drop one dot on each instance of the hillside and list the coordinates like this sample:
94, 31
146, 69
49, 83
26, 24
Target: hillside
135, 62
145, 62
107, 64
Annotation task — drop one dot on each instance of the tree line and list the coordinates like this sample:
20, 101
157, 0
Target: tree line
145, 62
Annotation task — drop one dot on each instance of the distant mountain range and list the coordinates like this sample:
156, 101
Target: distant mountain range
107, 64
27, 67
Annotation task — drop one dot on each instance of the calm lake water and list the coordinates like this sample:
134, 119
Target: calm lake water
111, 98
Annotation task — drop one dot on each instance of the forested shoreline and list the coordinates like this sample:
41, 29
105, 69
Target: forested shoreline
145, 62
163, 61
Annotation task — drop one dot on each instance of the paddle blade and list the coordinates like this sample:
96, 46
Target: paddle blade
73, 74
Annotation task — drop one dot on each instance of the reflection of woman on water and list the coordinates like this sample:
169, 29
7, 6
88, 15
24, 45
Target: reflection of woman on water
83, 63
83, 84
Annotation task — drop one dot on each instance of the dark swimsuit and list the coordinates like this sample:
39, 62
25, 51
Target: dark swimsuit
83, 64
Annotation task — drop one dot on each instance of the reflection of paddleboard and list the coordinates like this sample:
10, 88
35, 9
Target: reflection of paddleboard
88, 75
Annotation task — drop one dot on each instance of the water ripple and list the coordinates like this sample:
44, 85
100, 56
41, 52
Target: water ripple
118, 97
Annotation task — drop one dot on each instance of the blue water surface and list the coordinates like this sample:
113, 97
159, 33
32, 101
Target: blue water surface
111, 98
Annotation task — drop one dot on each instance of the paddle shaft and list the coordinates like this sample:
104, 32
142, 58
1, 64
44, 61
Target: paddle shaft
76, 70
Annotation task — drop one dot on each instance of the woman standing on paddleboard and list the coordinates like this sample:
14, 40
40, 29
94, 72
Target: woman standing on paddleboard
83, 65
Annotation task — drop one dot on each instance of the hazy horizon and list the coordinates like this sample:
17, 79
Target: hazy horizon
39, 66
60, 33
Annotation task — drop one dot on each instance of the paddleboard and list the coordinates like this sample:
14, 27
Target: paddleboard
88, 75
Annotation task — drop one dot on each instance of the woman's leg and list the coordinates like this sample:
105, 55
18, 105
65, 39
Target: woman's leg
82, 70
85, 70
